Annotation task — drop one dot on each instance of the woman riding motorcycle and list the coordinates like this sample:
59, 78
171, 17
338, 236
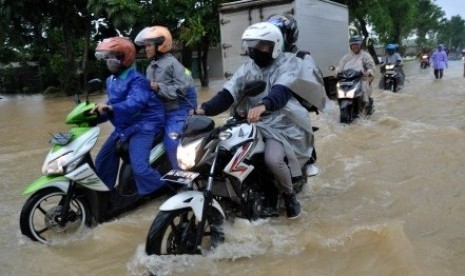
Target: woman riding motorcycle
284, 129
136, 113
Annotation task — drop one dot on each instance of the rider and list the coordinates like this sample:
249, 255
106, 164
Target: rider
288, 26
424, 52
284, 129
170, 81
393, 57
359, 59
136, 113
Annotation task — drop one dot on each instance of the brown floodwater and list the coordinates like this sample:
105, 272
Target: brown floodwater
389, 199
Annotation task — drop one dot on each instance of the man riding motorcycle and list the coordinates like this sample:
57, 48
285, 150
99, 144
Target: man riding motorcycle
361, 60
393, 57
284, 128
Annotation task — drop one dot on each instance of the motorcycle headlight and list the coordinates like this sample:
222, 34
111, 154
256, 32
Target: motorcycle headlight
390, 67
349, 94
186, 154
56, 166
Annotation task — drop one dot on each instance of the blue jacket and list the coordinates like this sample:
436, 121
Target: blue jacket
135, 107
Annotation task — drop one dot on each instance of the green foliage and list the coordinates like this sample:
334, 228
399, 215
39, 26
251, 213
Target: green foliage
452, 33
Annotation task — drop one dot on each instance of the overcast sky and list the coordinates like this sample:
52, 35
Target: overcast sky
452, 7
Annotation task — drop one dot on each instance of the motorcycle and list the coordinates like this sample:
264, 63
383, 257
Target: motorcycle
390, 77
225, 175
350, 95
70, 196
424, 61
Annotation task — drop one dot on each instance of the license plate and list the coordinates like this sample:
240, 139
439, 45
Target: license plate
181, 177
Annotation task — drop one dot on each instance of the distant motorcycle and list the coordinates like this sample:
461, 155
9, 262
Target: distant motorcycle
350, 95
70, 196
390, 77
424, 61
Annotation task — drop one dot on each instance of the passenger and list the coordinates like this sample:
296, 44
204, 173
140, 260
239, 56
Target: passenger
439, 61
359, 59
284, 128
135, 112
170, 81
393, 57
288, 26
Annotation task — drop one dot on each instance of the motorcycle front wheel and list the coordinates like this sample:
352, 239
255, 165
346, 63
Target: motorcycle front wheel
346, 116
41, 213
174, 233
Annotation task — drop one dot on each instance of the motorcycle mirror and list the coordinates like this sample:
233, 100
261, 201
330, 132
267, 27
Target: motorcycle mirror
254, 88
251, 89
94, 85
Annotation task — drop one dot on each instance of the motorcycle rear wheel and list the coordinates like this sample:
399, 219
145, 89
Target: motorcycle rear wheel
174, 233
38, 218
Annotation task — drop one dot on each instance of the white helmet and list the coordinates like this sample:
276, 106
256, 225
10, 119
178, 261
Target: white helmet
264, 32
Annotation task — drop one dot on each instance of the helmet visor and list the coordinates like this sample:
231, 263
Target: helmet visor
261, 45
104, 55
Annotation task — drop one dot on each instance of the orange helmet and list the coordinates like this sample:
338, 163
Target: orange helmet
119, 47
158, 35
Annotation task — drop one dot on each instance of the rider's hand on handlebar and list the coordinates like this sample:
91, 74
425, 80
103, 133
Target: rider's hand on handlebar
200, 111
102, 108
254, 113
154, 85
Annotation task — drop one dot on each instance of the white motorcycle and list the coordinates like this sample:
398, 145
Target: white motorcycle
226, 176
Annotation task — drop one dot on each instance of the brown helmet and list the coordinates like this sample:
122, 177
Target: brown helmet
158, 35
119, 47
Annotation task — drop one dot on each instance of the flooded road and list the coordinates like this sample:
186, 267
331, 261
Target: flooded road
389, 199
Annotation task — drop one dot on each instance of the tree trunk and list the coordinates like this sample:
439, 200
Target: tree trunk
186, 57
203, 56
83, 72
370, 48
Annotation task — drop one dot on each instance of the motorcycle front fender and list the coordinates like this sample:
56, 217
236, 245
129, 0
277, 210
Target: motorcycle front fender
345, 103
46, 181
189, 199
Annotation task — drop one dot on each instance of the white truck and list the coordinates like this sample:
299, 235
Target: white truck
323, 29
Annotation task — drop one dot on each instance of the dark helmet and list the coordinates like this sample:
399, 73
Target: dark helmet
356, 40
288, 26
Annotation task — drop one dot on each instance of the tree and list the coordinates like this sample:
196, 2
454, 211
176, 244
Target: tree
427, 20
452, 33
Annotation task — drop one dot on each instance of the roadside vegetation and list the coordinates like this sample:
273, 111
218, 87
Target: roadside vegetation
48, 44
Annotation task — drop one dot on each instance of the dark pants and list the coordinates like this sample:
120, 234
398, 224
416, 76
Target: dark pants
438, 73
140, 144
275, 157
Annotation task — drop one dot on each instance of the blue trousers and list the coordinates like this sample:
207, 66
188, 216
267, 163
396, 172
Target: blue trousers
107, 163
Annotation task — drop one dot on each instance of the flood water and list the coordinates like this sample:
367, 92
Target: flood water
389, 199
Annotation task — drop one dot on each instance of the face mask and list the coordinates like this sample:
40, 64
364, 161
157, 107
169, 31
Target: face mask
113, 65
262, 59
